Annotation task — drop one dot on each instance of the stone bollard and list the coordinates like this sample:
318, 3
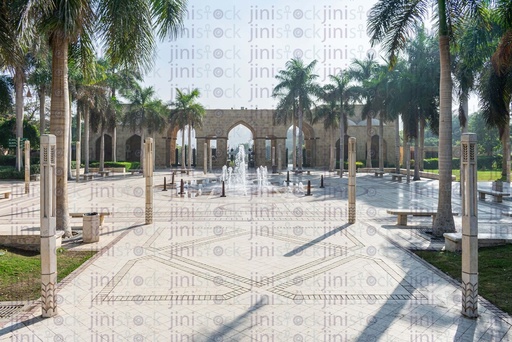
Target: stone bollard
469, 227
48, 200
351, 180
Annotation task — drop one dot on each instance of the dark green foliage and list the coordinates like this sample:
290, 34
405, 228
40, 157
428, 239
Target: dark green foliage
8, 131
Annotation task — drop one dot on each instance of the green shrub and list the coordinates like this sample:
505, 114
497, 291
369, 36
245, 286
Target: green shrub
8, 160
431, 164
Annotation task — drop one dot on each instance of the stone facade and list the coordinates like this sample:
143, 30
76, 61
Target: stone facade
219, 122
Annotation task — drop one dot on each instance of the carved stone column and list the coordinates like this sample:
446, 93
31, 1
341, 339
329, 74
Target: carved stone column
352, 180
148, 172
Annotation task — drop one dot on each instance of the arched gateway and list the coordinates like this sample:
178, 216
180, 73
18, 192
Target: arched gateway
266, 136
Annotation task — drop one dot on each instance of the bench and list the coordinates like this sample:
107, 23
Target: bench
87, 176
5, 194
498, 195
506, 213
378, 173
104, 173
102, 216
403, 213
396, 176
134, 171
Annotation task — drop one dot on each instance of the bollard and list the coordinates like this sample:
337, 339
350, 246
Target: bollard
309, 188
182, 188
165, 184
172, 179
287, 176
223, 190
321, 181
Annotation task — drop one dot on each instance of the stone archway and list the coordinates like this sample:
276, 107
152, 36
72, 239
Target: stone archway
133, 151
252, 152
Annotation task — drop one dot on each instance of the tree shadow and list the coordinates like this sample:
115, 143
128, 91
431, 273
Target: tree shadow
299, 249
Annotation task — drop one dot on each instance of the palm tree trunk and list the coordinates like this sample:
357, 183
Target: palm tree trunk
422, 143
18, 84
342, 143
407, 157
87, 128
183, 148
397, 145
69, 140
444, 219
506, 150
301, 138
416, 158
102, 149
42, 115
331, 150
381, 142
369, 141
189, 146
142, 137
294, 156
59, 126
114, 145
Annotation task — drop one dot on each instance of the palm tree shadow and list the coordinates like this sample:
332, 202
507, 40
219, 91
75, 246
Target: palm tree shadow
220, 334
299, 249
21, 325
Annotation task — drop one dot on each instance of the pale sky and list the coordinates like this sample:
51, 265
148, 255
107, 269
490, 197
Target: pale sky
232, 50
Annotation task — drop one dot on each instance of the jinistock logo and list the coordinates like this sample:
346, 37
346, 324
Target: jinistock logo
315, 13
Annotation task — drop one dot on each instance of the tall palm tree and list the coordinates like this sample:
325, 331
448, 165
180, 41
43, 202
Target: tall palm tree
126, 30
367, 73
187, 112
297, 86
389, 23
344, 95
145, 113
328, 114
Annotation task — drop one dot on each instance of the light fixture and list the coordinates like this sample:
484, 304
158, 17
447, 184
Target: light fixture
29, 94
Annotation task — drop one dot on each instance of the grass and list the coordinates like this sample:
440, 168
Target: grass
495, 272
20, 276
482, 176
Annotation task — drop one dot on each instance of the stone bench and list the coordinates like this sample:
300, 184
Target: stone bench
506, 213
396, 176
5, 194
104, 173
378, 173
134, 171
498, 195
453, 241
403, 213
102, 216
87, 176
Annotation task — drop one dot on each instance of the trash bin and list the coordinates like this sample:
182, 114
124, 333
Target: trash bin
91, 227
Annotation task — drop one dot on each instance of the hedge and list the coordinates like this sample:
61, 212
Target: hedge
483, 163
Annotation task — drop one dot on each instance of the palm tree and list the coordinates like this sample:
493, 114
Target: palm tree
6, 93
389, 23
126, 30
145, 113
187, 112
344, 95
297, 85
328, 113
367, 73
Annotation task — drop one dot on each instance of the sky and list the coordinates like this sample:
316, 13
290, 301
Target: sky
232, 50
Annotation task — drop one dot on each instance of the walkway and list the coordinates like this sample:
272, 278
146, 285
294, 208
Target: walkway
269, 266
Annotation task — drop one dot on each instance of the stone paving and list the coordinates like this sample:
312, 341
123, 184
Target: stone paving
268, 266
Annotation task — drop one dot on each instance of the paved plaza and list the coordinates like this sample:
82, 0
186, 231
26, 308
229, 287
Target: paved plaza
271, 265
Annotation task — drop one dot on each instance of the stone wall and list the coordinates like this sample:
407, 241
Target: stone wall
217, 125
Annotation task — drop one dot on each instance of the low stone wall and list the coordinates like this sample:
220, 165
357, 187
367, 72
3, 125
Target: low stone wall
29, 242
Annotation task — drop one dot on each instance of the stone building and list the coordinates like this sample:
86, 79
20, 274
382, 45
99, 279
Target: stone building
219, 122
